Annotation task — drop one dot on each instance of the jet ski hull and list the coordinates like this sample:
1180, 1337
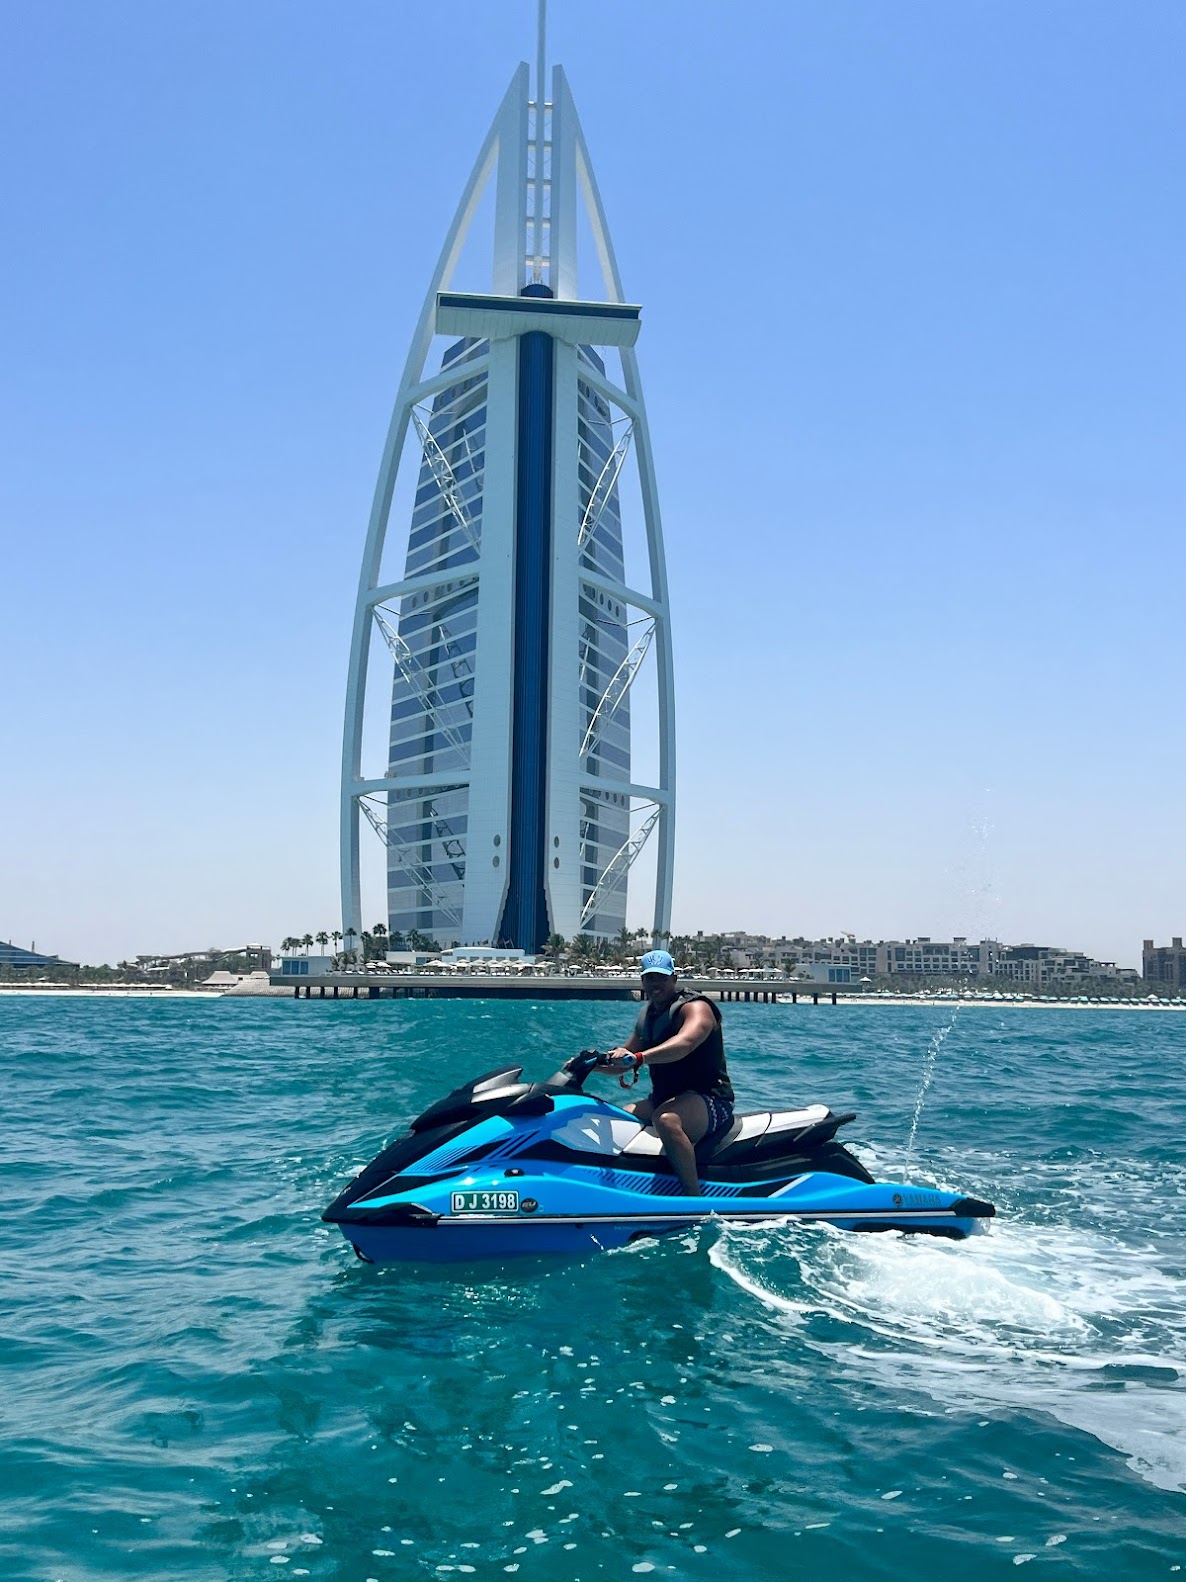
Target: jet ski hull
552, 1214
462, 1243
496, 1172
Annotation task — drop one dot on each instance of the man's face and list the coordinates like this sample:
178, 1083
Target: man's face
659, 988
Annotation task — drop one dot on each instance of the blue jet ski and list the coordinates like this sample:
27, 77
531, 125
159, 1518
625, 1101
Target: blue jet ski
500, 1168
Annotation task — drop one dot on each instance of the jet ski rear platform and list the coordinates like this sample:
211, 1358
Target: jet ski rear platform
501, 1168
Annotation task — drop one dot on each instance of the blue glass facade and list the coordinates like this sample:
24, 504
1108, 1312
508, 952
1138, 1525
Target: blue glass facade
432, 696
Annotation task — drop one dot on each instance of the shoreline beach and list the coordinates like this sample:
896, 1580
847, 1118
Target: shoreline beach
938, 1002
117, 991
989, 1004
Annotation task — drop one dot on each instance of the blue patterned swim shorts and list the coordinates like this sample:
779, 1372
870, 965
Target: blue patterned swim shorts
720, 1115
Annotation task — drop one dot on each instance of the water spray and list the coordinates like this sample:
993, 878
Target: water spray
928, 1071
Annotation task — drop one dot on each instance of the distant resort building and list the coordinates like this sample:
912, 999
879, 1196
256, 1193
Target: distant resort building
18, 959
303, 966
256, 958
846, 960
505, 645
1164, 965
1040, 966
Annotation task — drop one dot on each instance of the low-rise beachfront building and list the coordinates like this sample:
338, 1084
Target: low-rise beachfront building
1041, 966
258, 958
408, 960
1025, 965
749, 951
1164, 965
845, 959
305, 966
932, 958
473, 954
836, 957
866, 958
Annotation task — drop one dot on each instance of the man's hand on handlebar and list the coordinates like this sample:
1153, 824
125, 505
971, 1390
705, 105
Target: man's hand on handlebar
618, 1060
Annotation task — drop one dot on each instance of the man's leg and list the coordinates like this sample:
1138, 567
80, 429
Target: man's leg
681, 1122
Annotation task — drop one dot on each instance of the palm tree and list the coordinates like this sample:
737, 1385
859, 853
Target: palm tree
307, 941
555, 944
584, 946
349, 937
322, 939
336, 936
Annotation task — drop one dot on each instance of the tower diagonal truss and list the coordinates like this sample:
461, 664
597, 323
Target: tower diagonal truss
619, 685
619, 865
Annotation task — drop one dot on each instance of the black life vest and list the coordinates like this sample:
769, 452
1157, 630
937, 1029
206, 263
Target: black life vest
702, 1071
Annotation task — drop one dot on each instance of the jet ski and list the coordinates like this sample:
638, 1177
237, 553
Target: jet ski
500, 1168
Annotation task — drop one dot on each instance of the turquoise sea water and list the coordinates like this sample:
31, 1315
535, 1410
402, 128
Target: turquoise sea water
200, 1381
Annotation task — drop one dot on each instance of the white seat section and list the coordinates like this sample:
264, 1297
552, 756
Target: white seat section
726, 1138
746, 1127
796, 1120
646, 1142
743, 1129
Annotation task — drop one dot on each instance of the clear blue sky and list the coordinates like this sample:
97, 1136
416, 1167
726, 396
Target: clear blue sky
912, 278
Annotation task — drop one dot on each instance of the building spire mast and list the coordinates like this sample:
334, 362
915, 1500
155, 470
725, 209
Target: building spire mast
541, 33
541, 94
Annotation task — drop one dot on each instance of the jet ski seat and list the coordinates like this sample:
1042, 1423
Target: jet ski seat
762, 1134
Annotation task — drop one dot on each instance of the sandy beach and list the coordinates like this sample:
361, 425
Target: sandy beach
987, 1003
936, 1002
101, 991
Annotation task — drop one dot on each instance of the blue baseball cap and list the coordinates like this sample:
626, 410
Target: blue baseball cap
658, 961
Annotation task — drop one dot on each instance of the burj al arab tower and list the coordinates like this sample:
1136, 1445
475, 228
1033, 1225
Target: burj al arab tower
502, 661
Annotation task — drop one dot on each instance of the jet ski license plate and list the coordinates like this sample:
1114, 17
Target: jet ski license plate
484, 1202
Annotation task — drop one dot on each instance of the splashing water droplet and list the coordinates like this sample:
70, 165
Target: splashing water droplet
928, 1074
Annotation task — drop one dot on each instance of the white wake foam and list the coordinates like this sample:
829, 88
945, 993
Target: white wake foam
1022, 1317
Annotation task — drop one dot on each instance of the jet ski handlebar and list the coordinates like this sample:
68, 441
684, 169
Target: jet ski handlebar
579, 1067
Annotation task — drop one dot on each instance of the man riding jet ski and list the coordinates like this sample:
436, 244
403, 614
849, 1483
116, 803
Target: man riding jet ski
678, 1037
500, 1168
